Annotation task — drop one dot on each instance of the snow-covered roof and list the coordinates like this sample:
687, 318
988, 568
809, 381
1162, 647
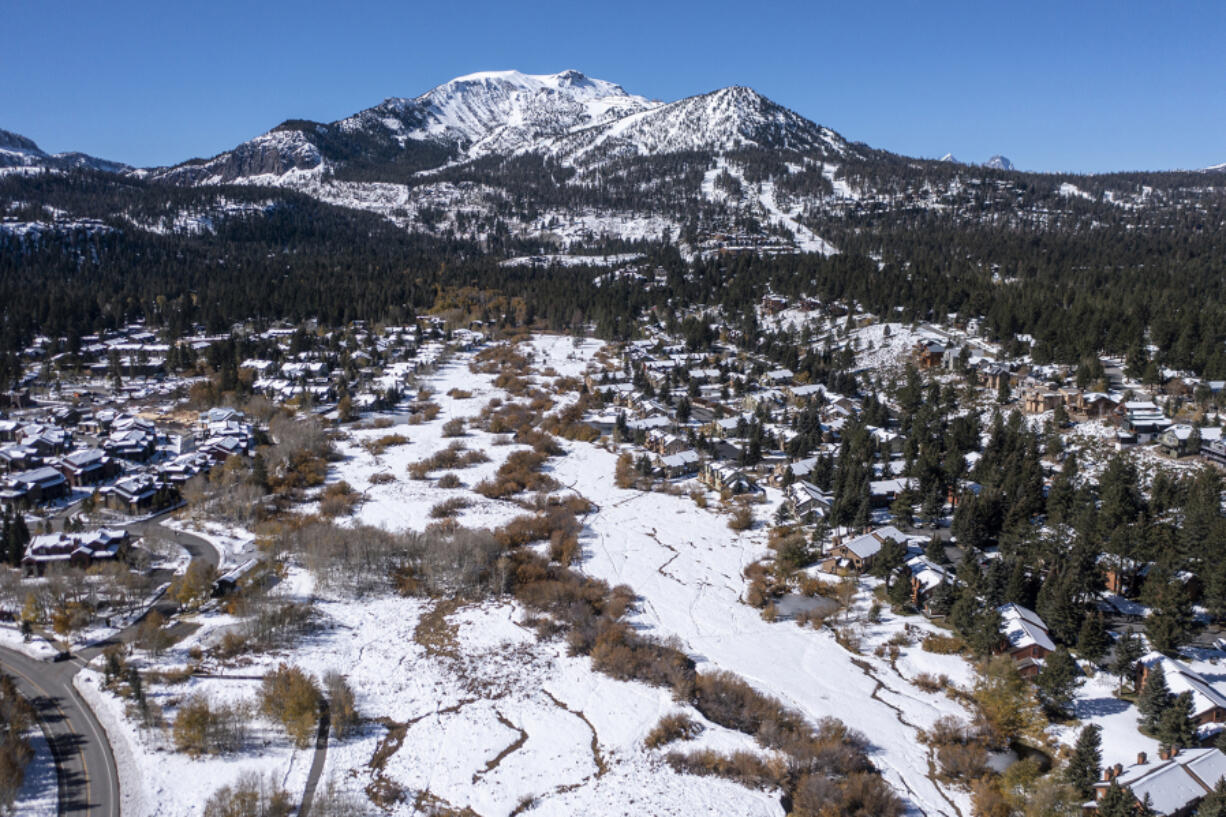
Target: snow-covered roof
1023, 627
1172, 785
1181, 678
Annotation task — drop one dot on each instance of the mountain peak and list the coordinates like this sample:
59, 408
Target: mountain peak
15, 141
949, 157
999, 162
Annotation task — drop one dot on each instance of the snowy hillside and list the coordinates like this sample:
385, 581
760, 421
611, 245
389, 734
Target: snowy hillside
17, 151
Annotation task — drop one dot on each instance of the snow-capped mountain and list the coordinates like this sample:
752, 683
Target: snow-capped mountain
568, 117
999, 162
506, 111
949, 157
17, 151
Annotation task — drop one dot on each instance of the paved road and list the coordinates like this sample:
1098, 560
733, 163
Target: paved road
88, 779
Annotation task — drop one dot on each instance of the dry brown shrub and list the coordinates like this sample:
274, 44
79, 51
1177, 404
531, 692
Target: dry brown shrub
448, 508
450, 481
382, 478
741, 519
453, 427
943, 644
678, 726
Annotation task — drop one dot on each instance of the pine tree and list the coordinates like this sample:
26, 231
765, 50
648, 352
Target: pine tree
1087, 757
1214, 804
1155, 698
1117, 802
1092, 641
1176, 726
1057, 682
1170, 622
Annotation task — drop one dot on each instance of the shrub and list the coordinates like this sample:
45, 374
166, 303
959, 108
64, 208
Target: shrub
741, 519
459, 394
290, 696
201, 728
450, 481
678, 726
943, 644
382, 478
521, 472
378, 446
251, 796
339, 499
453, 428
448, 508
747, 768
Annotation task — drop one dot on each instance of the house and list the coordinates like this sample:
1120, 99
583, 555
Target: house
858, 553
994, 376
926, 577
928, 354
1026, 636
1208, 702
680, 464
1179, 439
721, 476
1141, 420
35, 486
135, 494
1037, 401
1173, 786
74, 549
883, 492
86, 467
805, 498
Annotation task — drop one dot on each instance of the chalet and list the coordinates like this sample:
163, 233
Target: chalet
1214, 451
883, 492
926, 577
1027, 640
74, 549
1037, 401
1091, 405
1208, 702
8, 431
664, 443
801, 469
928, 354
18, 458
1179, 439
994, 375
858, 553
135, 494
88, 466
1172, 786
805, 498
681, 464
721, 476
33, 487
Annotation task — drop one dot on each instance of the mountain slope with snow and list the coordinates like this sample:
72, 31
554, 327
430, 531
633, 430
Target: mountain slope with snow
17, 151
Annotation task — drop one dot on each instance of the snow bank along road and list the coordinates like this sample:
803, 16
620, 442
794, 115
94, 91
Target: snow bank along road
89, 782
88, 778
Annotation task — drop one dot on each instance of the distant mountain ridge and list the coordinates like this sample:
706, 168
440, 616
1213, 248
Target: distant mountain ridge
566, 160
17, 151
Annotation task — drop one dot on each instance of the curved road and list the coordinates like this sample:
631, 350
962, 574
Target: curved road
88, 778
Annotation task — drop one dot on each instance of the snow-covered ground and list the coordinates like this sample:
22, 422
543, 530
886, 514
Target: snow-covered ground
39, 794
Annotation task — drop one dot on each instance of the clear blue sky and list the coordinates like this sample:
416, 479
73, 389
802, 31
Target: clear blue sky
1078, 86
